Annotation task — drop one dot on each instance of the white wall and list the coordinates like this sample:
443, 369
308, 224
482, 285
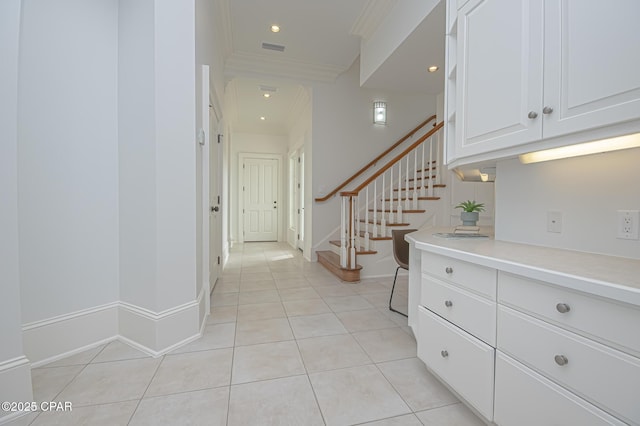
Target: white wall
253, 143
68, 156
137, 165
344, 137
587, 190
175, 151
15, 382
405, 17
157, 153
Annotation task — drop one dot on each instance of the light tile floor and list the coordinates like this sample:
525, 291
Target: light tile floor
286, 344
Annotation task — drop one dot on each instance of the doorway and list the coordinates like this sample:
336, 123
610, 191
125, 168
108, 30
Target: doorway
260, 209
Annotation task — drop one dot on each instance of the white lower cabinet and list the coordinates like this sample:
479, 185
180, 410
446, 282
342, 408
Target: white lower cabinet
459, 359
525, 398
525, 352
583, 366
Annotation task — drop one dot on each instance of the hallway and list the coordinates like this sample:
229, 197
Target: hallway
285, 344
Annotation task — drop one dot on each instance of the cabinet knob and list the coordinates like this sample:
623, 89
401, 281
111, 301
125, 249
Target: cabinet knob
547, 110
563, 308
449, 270
561, 360
532, 115
444, 354
448, 303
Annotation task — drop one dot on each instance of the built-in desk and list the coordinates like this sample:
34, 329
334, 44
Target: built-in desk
528, 335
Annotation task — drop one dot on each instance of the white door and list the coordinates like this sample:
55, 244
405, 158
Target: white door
499, 75
591, 64
215, 196
260, 207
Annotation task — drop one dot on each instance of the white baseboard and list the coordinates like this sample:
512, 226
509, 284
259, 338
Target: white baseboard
154, 333
61, 336
15, 385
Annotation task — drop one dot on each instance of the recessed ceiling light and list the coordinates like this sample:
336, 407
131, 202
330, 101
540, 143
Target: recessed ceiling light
266, 95
275, 29
262, 118
433, 68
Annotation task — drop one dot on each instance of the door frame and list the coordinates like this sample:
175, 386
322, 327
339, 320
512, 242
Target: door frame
300, 165
241, 183
204, 143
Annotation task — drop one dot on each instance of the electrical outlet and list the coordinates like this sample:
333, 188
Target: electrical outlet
628, 222
554, 222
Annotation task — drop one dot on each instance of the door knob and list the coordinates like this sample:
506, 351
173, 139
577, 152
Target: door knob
532, 115
547, 110
215, 208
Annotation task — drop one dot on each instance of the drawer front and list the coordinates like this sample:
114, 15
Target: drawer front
476, 278
615, 324
471, 312
524, 398
608, 378
460, 360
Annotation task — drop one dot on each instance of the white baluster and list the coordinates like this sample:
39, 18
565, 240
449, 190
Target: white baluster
343, 234
430, 166
352, 251
375, 209
383, 222
358, 223
438, 161
399, 212
407, 192
366, 217
423, 183
415, 179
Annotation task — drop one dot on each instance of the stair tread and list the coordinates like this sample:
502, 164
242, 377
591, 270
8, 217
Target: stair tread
331, 261
396, 211
419, 198
388, 224
337, 244
375, 238
438, 185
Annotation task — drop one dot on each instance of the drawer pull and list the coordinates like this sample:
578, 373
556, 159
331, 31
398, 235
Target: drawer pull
449, 270
444, 354
448, 303
563, 308
561, 360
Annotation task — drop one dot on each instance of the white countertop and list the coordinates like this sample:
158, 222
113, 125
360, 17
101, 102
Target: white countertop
612, 277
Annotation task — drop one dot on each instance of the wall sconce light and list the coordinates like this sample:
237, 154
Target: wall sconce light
379, 112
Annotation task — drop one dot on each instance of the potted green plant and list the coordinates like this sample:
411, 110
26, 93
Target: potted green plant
470, 212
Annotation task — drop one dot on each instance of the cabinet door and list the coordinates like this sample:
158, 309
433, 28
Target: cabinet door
499, 75
463, 362
592, 56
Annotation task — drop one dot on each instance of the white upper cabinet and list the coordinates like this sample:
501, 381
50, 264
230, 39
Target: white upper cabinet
592, 64
528, 71
499, 75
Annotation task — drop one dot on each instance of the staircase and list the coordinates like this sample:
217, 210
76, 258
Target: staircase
397, 195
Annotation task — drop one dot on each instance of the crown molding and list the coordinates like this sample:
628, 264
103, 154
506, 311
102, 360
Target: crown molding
371, 17
251, 64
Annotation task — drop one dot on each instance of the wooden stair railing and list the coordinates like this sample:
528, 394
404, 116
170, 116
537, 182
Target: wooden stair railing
375, 160
410, 176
